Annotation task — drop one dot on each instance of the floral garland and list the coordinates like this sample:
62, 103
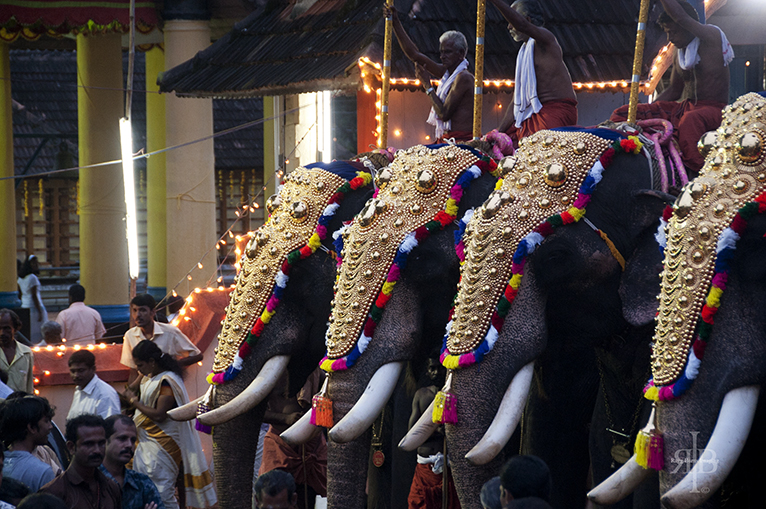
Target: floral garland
727, 243
362, 179
525, 248
412, 240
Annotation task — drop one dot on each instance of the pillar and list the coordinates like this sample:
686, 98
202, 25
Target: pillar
366, 124
103, 245
8, 296
190, 171
272, 143
156, 190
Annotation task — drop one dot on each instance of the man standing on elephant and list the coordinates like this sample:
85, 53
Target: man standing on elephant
543, 97
700, 71
452, 101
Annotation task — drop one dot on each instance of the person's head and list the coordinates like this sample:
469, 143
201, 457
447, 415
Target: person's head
86, 440
51, 332
679, 36
142, 309
525, 476
12, 491
30, 266
175, 303
275, 489
41, 501
25, 417
490, 494
151, 361
452, 49
531, 10
9, 324
82, 367
120, 438
76, 293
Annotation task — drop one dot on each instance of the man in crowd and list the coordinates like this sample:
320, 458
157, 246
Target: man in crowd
16, 359
167, 337
522, 477
452, 101
24, 424
138, 491
80, 324
275, 488
82, 485
51, 332
543, 97
700, 73
92, 395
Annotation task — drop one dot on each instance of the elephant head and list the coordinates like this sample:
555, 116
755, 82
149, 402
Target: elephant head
709, 339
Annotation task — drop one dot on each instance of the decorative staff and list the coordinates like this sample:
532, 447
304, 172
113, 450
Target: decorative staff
638, 58
479, 75
383, 137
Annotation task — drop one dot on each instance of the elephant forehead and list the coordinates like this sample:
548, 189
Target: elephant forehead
414, 189
734, 174
293, 221
549, 169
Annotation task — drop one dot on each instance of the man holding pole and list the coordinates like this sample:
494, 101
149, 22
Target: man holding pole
543, 96
700, 67
452, 101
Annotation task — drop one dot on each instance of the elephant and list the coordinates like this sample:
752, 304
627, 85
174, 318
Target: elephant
709, 338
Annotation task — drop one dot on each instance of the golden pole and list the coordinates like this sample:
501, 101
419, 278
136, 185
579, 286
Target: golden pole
638, 58
383, 137
478, 79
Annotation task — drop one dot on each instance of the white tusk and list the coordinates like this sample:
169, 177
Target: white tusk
300, 432
506, 419
256, 392
620, 484
719, 457
420, 431
185, 412
370, 404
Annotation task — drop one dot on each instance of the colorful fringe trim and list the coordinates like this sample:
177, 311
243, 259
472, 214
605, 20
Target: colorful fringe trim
727, 243
526, 246
362, 179
410, 242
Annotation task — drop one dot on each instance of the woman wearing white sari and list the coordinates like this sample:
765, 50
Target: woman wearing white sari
169, 452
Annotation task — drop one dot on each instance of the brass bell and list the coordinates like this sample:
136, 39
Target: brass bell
707, 142
749, 148
273, 203
555, 175
426, 181
383, 177
300, 210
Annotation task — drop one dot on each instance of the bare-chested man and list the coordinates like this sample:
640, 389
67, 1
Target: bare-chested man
543, 96
700, 67
452, 100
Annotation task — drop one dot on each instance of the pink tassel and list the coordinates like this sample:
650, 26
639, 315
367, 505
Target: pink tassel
203, 428
656, 452
449, 416
203, 407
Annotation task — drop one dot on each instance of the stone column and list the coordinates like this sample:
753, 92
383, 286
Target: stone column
8, 296
156, 190
190, 171
103, 245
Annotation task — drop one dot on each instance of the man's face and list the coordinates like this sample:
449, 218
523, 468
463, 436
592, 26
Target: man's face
518, 36
7, 330
88, 451
677, 35
40, 432
122, 444
450, 55
81, 374
142, 315
280, 501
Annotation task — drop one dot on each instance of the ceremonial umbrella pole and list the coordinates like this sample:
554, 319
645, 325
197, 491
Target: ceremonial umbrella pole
386, 78
638, 58
478, 79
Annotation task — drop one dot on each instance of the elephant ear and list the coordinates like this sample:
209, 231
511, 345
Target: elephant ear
640, 280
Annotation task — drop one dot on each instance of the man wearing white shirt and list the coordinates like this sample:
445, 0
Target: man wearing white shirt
80, 324
92, 395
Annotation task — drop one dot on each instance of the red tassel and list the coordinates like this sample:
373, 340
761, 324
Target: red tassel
656, 452
450, 409
321, 408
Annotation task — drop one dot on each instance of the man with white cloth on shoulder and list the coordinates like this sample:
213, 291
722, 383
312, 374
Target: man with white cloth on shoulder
452, 101
543, 97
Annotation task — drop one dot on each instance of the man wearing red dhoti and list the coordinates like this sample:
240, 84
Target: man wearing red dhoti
700, 63
543, 97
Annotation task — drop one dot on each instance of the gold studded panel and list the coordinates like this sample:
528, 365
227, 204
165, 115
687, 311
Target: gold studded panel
413, 189
295, 213
550, 167
733, 175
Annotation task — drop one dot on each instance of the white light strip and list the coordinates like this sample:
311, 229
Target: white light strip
326, 126
128, 179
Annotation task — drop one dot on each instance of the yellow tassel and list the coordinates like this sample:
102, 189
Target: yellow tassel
613, 249
640, 449
438, 412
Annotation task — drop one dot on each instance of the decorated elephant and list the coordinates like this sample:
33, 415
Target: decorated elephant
709, 340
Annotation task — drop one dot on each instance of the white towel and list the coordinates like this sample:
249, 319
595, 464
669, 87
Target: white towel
525, 101
441, 91
688, 57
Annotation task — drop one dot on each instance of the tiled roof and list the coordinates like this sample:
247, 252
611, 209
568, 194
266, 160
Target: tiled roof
277, 52
44, 90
